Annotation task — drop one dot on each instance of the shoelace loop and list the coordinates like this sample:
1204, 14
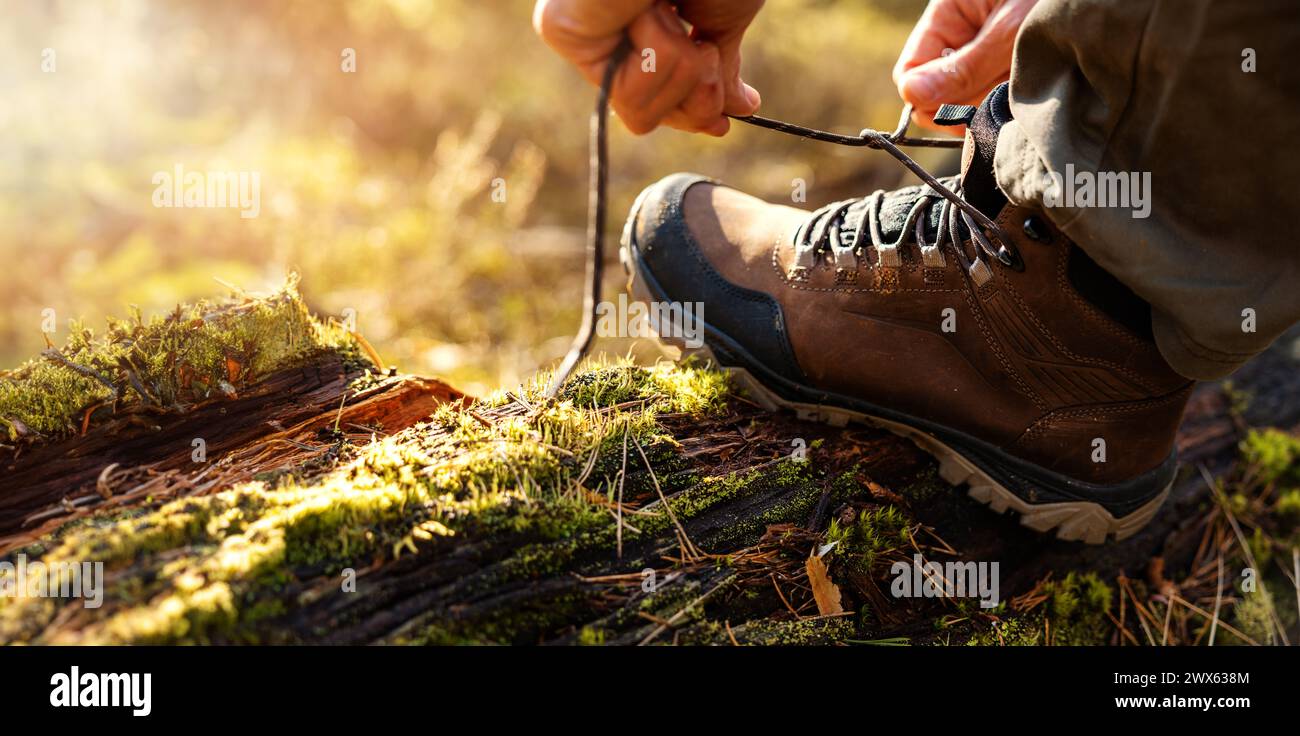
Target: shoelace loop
977, 223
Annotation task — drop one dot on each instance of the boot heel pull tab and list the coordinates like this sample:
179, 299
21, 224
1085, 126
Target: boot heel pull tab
955, 114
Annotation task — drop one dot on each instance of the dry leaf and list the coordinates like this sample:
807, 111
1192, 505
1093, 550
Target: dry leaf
826, 593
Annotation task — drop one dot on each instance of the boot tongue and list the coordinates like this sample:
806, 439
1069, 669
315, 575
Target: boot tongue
983, 124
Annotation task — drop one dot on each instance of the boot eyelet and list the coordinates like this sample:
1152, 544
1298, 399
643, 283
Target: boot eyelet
1037, 230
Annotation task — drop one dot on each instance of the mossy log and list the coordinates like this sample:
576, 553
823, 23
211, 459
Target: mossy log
646, 505
142, 452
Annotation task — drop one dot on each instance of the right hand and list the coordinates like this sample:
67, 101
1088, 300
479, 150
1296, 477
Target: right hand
957, 53
695, 81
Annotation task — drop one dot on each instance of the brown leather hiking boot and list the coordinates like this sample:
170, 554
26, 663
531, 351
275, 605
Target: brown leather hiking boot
1031, 376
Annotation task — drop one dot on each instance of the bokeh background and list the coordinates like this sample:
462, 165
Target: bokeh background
375, 185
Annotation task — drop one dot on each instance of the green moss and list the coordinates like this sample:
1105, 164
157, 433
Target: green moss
516, 626
807, 632
208, 568
1238, 504
189, 355
1288, 506
1252, 614
709, 492
873, 532
1261, 547
1239, 401
1074, 613
927, 486
1273, 454
1077, 606
1020, 631
667, 387
1078, 596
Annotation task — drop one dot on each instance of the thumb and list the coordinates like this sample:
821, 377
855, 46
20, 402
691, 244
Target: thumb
961, 77
740, 98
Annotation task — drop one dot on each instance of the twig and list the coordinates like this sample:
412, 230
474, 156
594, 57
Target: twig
1295, 563
685, 609
343, 400
1120, 627
136, 383
1226, 627
54, 355
1245, 548
1169, 612
781, 595
689, 551
1137, 608
1218, 601
618, 518
369, 349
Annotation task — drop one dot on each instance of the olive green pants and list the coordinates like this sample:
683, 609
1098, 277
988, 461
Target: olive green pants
1163, 137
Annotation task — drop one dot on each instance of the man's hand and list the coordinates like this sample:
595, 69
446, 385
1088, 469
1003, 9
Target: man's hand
978, 36
686, 80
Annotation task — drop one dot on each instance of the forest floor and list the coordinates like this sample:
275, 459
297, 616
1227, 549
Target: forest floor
248, 473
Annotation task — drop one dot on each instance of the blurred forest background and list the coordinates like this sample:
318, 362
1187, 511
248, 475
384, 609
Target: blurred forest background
375, 185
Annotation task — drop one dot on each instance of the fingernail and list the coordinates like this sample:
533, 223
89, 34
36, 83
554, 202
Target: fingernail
752, 95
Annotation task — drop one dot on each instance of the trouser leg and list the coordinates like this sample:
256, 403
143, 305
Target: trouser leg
1188, 113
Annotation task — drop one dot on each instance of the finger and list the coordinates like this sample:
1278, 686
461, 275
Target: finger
717, 128
690, 99
961, 77
660, 73
945, 24
586, 36
740, 98
702, 109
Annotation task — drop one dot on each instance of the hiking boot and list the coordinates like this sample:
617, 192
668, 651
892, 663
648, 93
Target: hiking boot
1028, 371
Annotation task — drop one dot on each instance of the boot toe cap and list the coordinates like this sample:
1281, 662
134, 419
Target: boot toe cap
657, 223
660, 248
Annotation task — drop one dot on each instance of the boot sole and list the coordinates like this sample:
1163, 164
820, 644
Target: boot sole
1070, 520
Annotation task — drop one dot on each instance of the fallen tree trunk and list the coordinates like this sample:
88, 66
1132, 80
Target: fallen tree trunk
155, 454
648, 506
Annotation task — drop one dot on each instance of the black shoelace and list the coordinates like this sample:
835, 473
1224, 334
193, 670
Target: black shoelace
823, 228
